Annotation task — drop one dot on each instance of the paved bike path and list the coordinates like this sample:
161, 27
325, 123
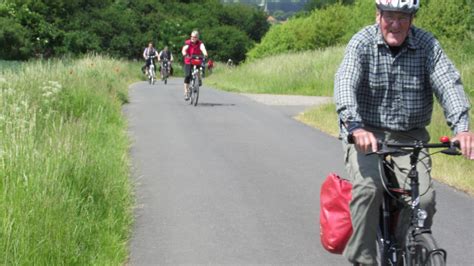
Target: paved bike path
234, 181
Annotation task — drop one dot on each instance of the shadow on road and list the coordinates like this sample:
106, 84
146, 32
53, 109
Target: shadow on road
215, 104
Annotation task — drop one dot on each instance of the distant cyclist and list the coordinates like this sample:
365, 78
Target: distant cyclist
147, 53
384, 89
192, 47
210, 65
165, 54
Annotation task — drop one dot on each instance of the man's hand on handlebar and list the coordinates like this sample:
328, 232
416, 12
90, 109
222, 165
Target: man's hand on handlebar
364, 140
466, 141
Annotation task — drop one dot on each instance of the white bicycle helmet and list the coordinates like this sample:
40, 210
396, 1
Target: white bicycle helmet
405, 6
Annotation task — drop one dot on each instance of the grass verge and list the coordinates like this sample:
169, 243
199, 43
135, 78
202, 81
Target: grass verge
66, 197
306, 73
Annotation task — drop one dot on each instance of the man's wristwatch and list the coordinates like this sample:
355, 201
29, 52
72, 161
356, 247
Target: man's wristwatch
352, 126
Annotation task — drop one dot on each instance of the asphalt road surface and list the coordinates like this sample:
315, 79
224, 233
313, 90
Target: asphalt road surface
235, 181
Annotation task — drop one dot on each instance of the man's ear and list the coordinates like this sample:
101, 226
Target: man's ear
377, 16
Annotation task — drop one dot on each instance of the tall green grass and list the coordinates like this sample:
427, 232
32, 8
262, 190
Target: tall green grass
64, 166
305, 73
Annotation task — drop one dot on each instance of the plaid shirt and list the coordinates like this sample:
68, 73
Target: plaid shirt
377, 89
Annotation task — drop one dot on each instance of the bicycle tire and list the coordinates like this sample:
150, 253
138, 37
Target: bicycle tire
191, 92
381, 260
196, 95
427, 252
385, 253
164, 76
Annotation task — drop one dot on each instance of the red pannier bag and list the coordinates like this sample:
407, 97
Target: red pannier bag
335, 216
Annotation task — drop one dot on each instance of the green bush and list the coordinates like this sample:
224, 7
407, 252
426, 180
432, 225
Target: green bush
246, 18
278, 40
227, 42
362, 14
323, 28
13, 41
122, 28
450, 21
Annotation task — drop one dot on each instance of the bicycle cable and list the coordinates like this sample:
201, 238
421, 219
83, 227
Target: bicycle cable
406, 179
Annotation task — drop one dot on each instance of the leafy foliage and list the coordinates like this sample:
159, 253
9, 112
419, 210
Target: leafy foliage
447, 20
122, 28
322, 28
317, 4
228, 42
11, 32
450, 21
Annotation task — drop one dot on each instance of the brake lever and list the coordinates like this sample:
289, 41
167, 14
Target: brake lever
451, 151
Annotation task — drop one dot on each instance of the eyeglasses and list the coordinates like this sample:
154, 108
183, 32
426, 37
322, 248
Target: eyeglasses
401, 18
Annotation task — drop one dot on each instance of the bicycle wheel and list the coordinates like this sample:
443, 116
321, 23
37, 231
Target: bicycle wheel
196, 94
163, 75
191, 91
425, 251
387, 254
381, 254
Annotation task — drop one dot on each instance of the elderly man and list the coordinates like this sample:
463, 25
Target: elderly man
384, 90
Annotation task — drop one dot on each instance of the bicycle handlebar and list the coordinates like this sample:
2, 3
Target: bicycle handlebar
383, 147
419, 144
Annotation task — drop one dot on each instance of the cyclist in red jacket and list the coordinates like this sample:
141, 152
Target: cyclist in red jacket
192, 47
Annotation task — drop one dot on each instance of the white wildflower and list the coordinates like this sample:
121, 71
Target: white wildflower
51, 88
47, 94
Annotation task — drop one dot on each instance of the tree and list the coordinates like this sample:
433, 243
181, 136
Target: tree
14, 42
248, 19
224, 42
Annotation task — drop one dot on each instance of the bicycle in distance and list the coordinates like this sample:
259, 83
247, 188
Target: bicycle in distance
151, 70
165, 70
196, 81
418, 246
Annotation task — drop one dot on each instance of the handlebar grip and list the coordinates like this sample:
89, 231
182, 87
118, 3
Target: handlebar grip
456, 144
350, 138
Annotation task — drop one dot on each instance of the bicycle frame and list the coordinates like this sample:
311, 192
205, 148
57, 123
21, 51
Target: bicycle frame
151, 70
194, 89
390, 251
165, 64
195, 82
